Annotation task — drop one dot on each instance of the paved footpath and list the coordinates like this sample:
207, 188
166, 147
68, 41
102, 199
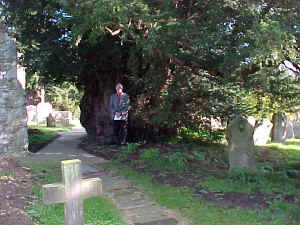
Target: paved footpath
137, 207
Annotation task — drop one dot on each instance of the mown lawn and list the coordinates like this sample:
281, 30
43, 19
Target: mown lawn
39, 136
194, 181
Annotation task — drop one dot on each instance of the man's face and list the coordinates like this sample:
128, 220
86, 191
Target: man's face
119, 89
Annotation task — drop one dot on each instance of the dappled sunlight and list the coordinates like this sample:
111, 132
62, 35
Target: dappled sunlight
291, 144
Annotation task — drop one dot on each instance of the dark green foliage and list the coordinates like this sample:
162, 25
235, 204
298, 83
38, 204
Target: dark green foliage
182, 61
202, 136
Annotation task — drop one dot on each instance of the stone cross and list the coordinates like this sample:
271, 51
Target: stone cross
72, 191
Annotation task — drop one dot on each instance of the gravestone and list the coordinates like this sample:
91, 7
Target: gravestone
262, 132
296, 129
51, 121
72, 191
239, 135
279, 131
62, 118
13, 127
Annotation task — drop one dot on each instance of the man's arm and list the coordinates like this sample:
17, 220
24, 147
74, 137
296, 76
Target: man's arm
124, 106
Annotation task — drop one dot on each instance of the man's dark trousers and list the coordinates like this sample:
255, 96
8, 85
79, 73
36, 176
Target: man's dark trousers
120, 130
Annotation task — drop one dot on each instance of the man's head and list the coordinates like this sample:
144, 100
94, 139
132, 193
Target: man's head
119, 88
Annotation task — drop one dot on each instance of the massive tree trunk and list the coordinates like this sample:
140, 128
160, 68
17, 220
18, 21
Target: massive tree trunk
105, 64
95, 114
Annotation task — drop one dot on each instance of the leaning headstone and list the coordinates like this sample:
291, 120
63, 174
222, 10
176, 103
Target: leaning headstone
51, 121
13, 121
279, 131
262, 132
72, 191
239, 135
296, 129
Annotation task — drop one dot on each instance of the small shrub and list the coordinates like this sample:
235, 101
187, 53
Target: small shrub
177, 162
153, 158
130, 148
277, 177
150, 154
279, 207
203, 135
244, 176
198, 155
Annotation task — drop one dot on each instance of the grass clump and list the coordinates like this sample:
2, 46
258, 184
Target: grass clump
152, 158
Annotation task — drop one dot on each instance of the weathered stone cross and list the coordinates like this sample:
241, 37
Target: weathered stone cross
72, 191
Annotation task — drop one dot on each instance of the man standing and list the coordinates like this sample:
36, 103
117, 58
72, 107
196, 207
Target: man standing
119, 104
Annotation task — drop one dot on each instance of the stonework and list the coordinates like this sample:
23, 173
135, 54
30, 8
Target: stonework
262, 132
239, 135
13, 133
279, 131
62, 118
296, 128
43, 110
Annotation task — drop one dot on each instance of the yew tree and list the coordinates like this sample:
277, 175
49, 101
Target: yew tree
181, 61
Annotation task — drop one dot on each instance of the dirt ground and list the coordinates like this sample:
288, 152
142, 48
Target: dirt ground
15, 192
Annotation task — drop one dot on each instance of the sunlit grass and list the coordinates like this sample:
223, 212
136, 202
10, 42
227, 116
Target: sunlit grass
38, 140
276, 176
56, 129
194, 210
290, 149
291, 144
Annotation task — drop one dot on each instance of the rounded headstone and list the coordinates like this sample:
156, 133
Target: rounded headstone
239, 135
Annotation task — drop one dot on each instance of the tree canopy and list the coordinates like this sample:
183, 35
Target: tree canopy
183, 61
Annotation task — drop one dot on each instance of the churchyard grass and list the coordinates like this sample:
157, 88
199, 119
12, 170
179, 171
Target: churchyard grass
195, 211
39, 136
276, 181
289, 149
97, 211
